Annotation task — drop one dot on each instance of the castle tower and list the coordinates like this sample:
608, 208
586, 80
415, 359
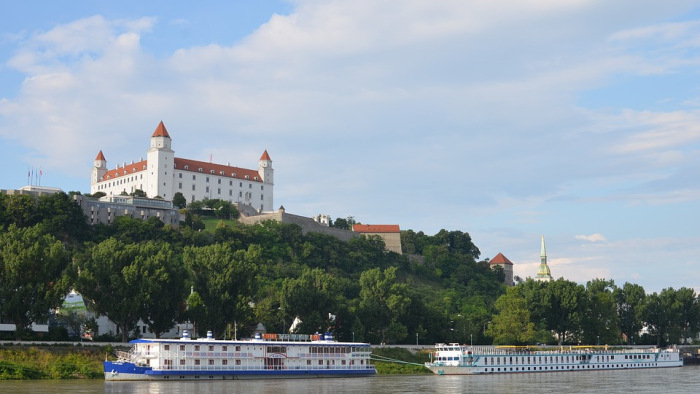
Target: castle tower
161, 163
267, 175
507, 265
99, 169
543, 273
265, 168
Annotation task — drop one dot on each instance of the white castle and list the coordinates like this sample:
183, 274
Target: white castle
162, 175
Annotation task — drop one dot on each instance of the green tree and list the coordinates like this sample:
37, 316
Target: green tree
61, 216
179, 200
311, 297
512, 325
601, 321
658, 314
225, 280
383, 302
20, 209
163, 286
120, 281
138, 193
686, 303
33, 276
196, 310
630, 300
565, 305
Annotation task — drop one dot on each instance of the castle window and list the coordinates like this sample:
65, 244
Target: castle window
179, 175
219, 191
233, 174
207, 190
187, 167
194, 177
240, 184
221, 172
256, 178
240, 194
247, 177
211, 171
192, 187
230, 192
179, 185
262, 197
200, 169
230, 183
207, 179
250, 186
219, 181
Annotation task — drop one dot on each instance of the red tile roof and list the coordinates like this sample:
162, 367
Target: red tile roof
500, 259
265, 156
218, 169
126, 170
161, 131
100, 156
375, 228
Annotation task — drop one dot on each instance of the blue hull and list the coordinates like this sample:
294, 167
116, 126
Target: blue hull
129, 371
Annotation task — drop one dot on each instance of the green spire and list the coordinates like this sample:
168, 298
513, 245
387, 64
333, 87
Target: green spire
543, 272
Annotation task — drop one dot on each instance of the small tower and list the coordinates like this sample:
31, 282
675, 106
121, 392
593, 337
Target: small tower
265, 168
507, 265
161, 163
266, 173
543, 273
99, 169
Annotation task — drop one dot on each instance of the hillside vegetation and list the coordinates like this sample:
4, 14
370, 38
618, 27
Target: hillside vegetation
220, 274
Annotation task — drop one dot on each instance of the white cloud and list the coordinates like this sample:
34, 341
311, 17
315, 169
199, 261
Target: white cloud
597, 237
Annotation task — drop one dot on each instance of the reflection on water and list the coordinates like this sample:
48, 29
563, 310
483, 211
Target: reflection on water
669, 380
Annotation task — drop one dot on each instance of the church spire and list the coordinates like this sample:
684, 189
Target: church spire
543, 273
543, 253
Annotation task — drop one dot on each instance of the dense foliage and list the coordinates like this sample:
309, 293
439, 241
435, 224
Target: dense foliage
19, 363
217, 273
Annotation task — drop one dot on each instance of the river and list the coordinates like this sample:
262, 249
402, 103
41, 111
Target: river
666, 380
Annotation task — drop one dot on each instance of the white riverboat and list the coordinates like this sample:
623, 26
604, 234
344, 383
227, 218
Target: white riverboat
266, 356
456, 359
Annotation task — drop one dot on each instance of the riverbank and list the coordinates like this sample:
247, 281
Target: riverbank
20, 362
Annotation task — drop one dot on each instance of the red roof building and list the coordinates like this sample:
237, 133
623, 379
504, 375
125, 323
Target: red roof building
390, 233
507, 265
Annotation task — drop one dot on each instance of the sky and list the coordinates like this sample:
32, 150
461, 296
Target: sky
578, 120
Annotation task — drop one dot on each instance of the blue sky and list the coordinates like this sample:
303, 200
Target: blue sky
578, 120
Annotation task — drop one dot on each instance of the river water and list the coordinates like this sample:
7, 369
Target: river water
666, 380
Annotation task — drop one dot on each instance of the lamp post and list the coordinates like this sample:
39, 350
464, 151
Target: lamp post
471, 340
416, 339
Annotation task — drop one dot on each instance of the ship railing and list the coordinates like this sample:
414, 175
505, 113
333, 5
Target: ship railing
123, 356
264, 368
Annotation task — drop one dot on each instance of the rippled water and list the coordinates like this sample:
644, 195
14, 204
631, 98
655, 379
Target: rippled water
668, 380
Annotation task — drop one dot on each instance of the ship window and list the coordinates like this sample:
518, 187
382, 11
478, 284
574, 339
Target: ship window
182, 347
196, 362
196, 348
211, 348
166, 347
224, 348
211, 362
238, 362
182, 361
320, 362
224, 362
238, 348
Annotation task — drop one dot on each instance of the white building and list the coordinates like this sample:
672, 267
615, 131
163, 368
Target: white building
162, 174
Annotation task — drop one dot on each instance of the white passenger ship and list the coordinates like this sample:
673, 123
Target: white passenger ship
456, 359
266, 356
